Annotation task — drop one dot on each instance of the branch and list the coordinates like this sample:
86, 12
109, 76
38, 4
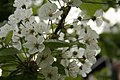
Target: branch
63, 16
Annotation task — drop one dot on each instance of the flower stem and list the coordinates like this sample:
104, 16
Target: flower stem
19, 59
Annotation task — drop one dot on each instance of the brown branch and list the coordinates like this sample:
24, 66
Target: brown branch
63, 16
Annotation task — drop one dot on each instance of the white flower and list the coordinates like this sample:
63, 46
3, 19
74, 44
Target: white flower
12, 20
5, 29
48, 11
16, 40
22, 3
98, 17
27, 13
93, 45
22, 14
61, 36
41, 28
27, 29
50, 73
90, 55
80, 30
92, 59
74, 52
71, 68
19, 14
90, 36
74, 3
34, 44
86, 68
45, 58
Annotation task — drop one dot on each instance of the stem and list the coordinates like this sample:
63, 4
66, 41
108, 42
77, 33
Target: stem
51, 25
63, 16
23, 48
49, 1
19, 59
59, 3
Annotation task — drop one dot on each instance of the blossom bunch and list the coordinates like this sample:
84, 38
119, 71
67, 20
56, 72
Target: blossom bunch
47, 46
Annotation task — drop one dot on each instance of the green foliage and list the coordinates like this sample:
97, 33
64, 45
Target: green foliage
8, 51
4, 59
110, 45
8, 68
52, 43
60, 67
91, 8
71, 78
103, 74
8, 37
6, 8
13, 68
25, 76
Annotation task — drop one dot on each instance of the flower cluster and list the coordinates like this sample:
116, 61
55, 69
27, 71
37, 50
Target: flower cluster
48, 43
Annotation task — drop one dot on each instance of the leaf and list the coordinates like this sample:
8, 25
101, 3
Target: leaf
110, 3
71, 78
3, 78
52, 43
91, 8
8, 51
109, 44
4, 59
7, 68
8, 37
24, 76
60, 67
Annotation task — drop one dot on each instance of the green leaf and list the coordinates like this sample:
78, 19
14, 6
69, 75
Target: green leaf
52, 43
109, 43
7, 68
3, 78
60, 67
71, 78
110, 3
24, 76
8, 51
4, 59
91, 8
8, 37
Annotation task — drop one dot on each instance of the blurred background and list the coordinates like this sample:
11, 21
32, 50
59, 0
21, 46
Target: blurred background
107, 66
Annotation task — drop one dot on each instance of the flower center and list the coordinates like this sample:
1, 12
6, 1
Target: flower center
31, 31
36, 45
49, 75
93, 18
75, 53
50, 14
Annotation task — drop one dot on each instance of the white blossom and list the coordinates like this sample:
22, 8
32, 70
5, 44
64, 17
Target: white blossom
71, 68
41, 28
86, 68
50, 73
34, 44
49, 11
74, 52
97, 17
21, 3
44, 58
29, 36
